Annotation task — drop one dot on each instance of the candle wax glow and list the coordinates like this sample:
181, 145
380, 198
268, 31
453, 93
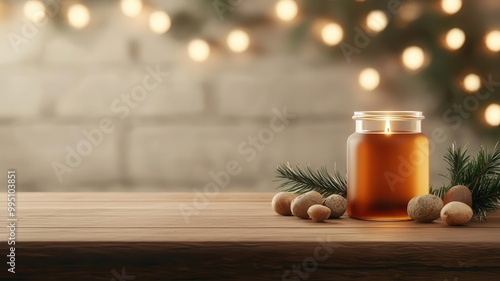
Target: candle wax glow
385, 170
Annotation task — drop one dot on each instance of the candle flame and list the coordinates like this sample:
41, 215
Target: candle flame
387, 127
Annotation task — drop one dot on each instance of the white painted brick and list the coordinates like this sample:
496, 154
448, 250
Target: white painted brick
322, 90
155, 48
437, 163
90, 92
20, 92
314, 144
180, 93
31, 150
179, 153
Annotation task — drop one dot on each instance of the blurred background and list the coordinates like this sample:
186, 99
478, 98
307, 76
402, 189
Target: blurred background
162, 95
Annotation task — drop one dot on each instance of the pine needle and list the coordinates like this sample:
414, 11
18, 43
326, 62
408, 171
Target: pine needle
481, 174
298, 180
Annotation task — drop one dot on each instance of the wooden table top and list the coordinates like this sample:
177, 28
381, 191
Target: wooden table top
243, 232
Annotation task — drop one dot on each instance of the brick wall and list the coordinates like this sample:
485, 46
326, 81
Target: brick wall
63, 85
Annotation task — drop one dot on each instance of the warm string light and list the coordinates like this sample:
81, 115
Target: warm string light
455, 39
131, 8
332, 33
376, 21
492, 40
78, 16
199, 50
286, 10
369, 79
159, 22
413, 58
238, 41
492, 114
451, 6
472, 82
34, 10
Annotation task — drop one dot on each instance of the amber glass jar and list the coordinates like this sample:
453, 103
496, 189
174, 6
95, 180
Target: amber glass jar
387, 164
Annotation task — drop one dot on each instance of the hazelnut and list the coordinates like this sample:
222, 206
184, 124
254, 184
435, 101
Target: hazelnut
281, 203
460, 193
337, 205
318, 213
456, 213
301, 204
425, 208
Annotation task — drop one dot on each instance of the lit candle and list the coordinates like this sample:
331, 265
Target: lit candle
387, 127
387, 164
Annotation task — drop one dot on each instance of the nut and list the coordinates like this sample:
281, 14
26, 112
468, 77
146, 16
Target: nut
460, 193
337, 205
425, 208
456, 213
281, 203
318, 213
301, 204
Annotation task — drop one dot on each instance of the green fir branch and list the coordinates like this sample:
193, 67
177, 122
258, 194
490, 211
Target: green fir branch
298, 180
481, 174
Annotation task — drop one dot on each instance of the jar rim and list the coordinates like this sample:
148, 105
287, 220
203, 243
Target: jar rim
388, 115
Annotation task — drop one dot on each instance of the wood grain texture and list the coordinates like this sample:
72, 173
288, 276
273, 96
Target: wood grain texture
84, 236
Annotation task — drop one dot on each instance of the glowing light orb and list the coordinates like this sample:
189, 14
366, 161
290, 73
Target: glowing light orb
159, 22
78, 16
451, 6
376, 21
286, 10
199, 50
413, 58
455, 39
238, 41
369, 79
131, 8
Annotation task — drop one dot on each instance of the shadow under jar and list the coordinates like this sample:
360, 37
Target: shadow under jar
387, 164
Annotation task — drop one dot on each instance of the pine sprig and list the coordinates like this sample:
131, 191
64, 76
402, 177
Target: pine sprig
298, 180
481, 174
455, 158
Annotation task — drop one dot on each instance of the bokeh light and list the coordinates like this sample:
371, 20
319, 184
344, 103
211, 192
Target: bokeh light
332, 33
159, 22
492, 40
78, 16
376, 21
238, 41
455, 39
34, 11
413, 58
286, 10
492, 114
369, 79
198, 50
472, 82
451, 6
131, 8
